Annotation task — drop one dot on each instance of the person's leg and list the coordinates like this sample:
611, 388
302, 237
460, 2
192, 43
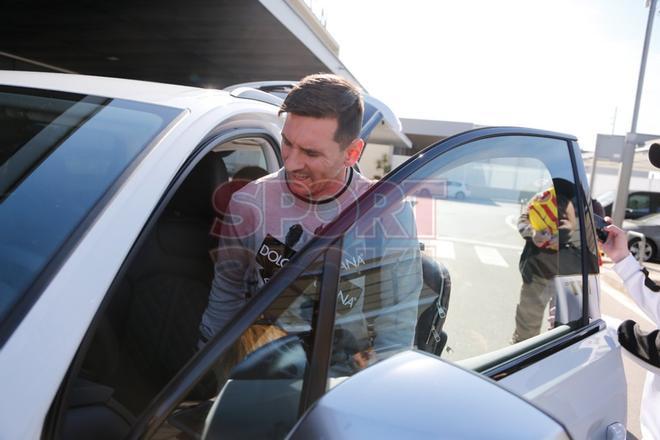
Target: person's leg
534, 296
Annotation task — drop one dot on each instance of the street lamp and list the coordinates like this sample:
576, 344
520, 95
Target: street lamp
632, 139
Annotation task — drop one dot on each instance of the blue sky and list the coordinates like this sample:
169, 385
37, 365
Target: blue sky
563, 65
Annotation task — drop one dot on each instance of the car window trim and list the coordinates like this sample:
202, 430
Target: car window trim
582, 193
553, 346
316, 376
52, 427
39, 284
492, 359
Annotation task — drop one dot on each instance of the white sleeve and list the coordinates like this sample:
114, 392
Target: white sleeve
643, 290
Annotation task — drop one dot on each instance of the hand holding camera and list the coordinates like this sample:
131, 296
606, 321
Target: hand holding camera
601, 224
614, 240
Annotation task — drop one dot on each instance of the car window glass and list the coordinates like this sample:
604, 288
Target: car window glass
500, 262
243, 160
639, 204
244, 156
255, 388
379, 288
60, 153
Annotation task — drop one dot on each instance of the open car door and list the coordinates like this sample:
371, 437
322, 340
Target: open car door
521, 255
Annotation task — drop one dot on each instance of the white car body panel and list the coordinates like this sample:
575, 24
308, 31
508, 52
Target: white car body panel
580, 385
402, 397
48, 335
142, 91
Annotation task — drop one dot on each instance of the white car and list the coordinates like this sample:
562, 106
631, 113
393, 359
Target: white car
111, 192
457, 190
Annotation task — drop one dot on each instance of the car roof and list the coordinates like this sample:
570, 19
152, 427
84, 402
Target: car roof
118, 88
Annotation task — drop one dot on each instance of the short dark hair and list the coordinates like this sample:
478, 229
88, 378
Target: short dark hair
324, 95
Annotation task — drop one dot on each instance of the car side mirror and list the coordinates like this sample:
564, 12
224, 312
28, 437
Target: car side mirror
414, 394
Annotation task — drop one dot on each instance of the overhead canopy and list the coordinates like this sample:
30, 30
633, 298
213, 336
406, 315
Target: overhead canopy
203, 43
424, 132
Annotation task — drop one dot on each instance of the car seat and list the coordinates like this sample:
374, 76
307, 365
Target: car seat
169, 282
93, 413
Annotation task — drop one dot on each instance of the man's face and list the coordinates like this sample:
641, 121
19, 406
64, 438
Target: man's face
315, 163
567, 217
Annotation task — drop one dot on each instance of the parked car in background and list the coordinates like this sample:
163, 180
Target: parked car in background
648, 225
442, 188
457, 190
640, 203
110, 195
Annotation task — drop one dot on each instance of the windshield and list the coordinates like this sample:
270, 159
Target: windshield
60, 153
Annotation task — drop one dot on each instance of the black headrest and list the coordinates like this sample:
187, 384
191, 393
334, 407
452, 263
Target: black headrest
194, 198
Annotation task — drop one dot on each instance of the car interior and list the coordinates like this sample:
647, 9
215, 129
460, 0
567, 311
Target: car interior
149, 328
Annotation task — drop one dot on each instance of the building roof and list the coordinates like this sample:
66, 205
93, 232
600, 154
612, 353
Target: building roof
203, 43
424, 132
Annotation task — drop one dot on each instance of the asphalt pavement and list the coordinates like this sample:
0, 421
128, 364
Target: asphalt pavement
617, 304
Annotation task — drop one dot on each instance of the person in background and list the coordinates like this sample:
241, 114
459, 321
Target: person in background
549, 226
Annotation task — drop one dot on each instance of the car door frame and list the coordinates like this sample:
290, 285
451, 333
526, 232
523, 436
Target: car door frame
54, 419
328, 244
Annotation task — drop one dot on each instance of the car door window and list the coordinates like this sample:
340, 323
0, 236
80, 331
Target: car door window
245, 155
149, 328
464, 278
256, 385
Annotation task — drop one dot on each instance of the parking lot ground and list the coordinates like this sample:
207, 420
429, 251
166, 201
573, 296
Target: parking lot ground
616, 303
